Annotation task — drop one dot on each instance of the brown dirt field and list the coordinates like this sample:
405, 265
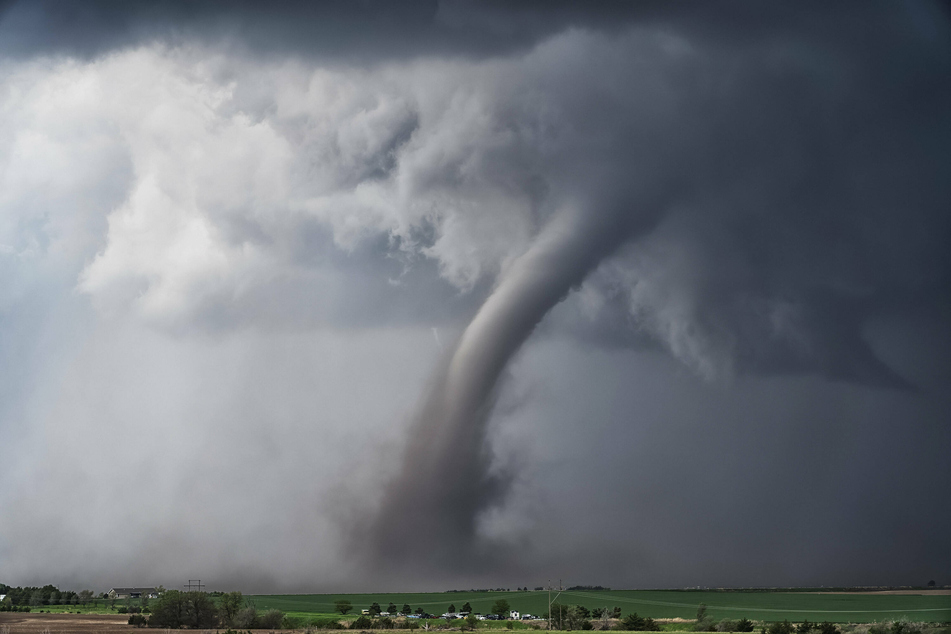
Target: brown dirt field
64, 623
30, 623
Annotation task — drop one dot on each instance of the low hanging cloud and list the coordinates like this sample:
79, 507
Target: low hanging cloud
754, 197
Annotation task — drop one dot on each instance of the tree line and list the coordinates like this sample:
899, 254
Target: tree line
19, 599
175, 609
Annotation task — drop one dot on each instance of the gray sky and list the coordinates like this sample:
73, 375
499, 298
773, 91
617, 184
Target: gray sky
364, 296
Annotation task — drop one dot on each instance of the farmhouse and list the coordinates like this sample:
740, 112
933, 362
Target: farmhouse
133, 593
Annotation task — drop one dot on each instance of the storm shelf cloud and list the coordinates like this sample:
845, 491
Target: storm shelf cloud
322, 296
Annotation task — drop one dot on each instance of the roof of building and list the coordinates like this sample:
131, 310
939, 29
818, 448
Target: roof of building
128, 590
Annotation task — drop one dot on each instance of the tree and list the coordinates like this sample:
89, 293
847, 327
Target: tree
615, 612
406, 609
169, 610
229, 604
85, 596
375, 609
466, 608
704, 623
501, 607
343, 606
452, 608
578, 618
633, 622
746, 625
558, 615
247, 617
176, 609
472, 621
420, 610
391, 608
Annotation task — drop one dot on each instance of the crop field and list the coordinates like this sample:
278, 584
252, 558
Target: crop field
847, 607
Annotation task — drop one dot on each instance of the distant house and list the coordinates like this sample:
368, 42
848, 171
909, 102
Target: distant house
133, 593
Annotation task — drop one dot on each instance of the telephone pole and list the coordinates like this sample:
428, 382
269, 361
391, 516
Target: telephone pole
549, 600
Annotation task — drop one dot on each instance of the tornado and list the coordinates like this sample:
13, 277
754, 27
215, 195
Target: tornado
429, 511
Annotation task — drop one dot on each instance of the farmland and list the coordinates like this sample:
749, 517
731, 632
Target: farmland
842, 607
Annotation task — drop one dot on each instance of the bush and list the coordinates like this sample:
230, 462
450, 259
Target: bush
271, 620
828, 628
123, 610
904, 627
362, 622
780, 628
138, 620
744, 625
727, 625
246, 617
633, 622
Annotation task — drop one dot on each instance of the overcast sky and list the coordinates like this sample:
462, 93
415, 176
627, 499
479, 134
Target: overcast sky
343, 296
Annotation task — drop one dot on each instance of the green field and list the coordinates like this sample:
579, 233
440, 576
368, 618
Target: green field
757, 606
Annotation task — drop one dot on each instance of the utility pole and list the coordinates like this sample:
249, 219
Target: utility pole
549, 600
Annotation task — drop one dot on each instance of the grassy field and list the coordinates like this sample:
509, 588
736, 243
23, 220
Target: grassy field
760, 606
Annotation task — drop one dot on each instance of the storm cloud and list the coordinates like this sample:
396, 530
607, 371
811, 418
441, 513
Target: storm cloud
645, 236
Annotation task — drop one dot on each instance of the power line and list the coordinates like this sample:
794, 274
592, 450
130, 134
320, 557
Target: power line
193, 584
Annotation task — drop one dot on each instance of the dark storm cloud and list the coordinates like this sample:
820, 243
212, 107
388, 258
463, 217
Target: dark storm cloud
796, 172
356, 30
374, 29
